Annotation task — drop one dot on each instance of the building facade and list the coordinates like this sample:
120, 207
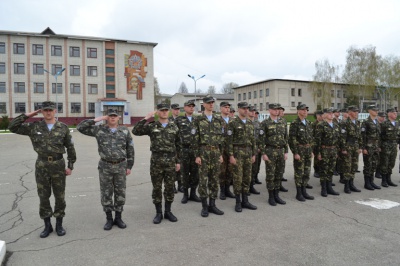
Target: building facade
181, 98
95, 74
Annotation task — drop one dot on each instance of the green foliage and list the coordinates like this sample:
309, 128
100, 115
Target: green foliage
5, 122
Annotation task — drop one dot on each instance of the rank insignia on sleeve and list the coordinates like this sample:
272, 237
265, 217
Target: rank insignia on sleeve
362, 129
193, 131
343, 130
229, 132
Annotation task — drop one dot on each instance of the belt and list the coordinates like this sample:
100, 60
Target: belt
275, 147
209, 147
187, 146
113, 162
328, 147
164, 155
304, 145
241, 146
51, 157
390, 141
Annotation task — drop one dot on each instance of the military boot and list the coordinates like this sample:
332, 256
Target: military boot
342, 178
213, 209
281, 188
284, 179
378, 174
309, 186
330, 190
384, 180
253, 190
109, 224
305, 194
367, 183
228, 193
256, 180
371, 178
347, 187
389, 181
204, 210
299, 194
277, 198
324, 193
185, 196
352, 187
48, 228
222, 195
180, 187
175, 190
168, 214
193, 196
246, 204
59, 228
157, 219
271, 198
118, 220
238, 206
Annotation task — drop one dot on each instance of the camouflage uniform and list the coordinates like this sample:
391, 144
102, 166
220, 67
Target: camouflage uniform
50, 165
178, 174
316, 163
116, 156
255, 169
225, 175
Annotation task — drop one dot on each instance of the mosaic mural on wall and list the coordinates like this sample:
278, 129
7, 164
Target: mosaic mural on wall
135, 73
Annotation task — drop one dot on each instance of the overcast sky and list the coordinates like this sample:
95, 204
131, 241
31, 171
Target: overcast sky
226, 40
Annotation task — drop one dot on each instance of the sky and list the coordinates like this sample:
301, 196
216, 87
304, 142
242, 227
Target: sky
227, 41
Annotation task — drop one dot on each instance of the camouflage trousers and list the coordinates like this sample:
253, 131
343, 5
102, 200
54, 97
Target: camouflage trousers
112, 183
162, 170
349, 162
209, 172
328, 163
189, 169
255, 167
371, 160
302, 167
273, 167
388, 157
51, 176
316, 163
241, 171
225, 175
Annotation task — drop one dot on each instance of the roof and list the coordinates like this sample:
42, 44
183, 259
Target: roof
216, 95
290, 80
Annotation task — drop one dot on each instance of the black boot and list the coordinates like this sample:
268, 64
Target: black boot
389, 181
193, 196
347, 187
48, 228
109, 224
204, 210
159, 216
175, 190
330, 190
213, 209
282, 188
59, 228
323, 189
118, 220
316, 175
271, 198
246, 204
257, 181
367, 183
299, 194
305, 194
277, 198
378, 174
352, 187
309, 186
228, 193
185, 196
384, 180
284, 179
180, 187
253, 190
168, 214
222, 195
371, 178
238, 205
342, 178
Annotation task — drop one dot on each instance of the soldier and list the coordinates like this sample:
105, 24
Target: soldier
274, 149
165, 161
49, 138
258, 158
318, 118
381, 118
207, 146
232, 112
301, 145
389, 140
175, 110
339, 161
189, 169
350, 148
225, 176
255, 166
117, 156
282, 116
327, 140
241, 150
370, 132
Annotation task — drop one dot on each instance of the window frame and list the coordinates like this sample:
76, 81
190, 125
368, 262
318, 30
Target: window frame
2, 66
19, 68
73, 69
74, 105
36, 48
19, 48
38, 69
3, 108
36, 87
20, 105
91, 70
55, 49
90, 51
19, 87
75, 88
91, 87
74, 51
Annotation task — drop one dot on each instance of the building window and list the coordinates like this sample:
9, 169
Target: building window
239, 97
92, 71
109, 70
332, 93
332, 105
3, 108
293, 92
19, 68
19, 87
110, 60
266, 105
338, 93
19, 48
60, 107
91, 107
37, 106
75, 88
261, 93
38, 69
2, 47
110, 78
344, 94
109, 52
298, 103
261, 107
55, 69
293, 104
20, 108
110, 95
249, 95
56, 50
255, 106
2, 68
92, 52
74, 70
244, 96
74, 51
92, 89
339, 106
59, 88
254, 94
266, 92
37, 49
2, 87
75, 107
110, 87
38, 87
299, 92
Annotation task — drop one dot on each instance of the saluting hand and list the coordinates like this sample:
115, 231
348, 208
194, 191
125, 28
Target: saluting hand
265, 157
100, 118
34, 113
297, 157
177, 167
128, 171
232, 160
253, 159
150, 115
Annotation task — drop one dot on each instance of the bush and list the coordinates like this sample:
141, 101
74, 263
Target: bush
5, 121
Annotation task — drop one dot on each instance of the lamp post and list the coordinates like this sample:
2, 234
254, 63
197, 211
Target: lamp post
195, 92
56, 76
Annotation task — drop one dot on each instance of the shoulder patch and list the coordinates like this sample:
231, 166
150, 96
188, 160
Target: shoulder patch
193, 131
261, 132
363, 129
229, 132
343, 130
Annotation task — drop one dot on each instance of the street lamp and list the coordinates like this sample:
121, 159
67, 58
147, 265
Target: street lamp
56, 76
195, 80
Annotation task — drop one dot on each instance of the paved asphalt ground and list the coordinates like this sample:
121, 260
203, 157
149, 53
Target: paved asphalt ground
326, 231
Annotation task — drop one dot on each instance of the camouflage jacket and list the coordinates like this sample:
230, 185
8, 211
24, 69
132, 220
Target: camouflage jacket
163, 139
240, 134
111, 146
300, 134
257, 128
314, 127
370, 133
389, 132
45, 142
350, 134
225, 132
207, 133
185, 129
273, 134
326, 136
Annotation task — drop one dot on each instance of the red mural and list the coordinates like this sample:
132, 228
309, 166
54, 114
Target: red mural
135, 73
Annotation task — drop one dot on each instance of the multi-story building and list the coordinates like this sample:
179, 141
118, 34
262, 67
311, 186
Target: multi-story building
181, 98
96, 74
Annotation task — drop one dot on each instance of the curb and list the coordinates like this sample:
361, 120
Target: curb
2, 251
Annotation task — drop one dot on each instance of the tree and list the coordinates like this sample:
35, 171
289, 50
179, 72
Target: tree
211, 90
157, 93
227, 88
183, 88
5, 122
388, 80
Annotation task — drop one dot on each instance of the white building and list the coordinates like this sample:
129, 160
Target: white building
181, 98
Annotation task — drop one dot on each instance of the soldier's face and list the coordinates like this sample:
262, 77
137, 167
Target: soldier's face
243, 112
353, 115
209, 106
232, 114
175, 112
225, 110
251, 114
189, 109
48, 114
392, 115
329, 116
112, 120
163, 114
274, 112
